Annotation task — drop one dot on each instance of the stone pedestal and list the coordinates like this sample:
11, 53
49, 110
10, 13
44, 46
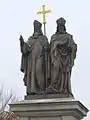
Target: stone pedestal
49, 109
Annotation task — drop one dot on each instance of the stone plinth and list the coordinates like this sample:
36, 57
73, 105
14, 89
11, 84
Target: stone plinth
49, 109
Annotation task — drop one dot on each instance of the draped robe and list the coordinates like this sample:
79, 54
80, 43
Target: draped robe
33, 63
63, 53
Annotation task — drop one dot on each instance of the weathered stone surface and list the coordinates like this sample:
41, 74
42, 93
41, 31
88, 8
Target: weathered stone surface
47, 67
55, 109
48, 96
63, 53
34, 61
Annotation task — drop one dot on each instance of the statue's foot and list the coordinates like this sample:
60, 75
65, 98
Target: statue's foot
32, 93
51, 90
41, 93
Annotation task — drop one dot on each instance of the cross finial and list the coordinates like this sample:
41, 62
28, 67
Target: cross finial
44, 12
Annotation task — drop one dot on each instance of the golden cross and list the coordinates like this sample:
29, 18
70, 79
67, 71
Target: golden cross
43, 12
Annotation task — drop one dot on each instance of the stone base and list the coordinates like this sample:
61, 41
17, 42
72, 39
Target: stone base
48, 96
49, 109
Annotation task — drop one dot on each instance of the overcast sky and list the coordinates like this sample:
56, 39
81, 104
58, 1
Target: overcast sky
17, 16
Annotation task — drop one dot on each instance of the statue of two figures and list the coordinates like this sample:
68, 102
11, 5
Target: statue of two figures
47, 67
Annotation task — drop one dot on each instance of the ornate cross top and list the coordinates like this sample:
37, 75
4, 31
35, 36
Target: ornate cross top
44, 12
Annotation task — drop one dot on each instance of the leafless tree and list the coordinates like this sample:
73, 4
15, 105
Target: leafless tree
7, 97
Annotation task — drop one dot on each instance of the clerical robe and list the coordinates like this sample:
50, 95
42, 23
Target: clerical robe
63, 53
33, 63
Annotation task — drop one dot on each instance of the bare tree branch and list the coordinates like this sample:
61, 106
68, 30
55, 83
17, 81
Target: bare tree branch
7, 97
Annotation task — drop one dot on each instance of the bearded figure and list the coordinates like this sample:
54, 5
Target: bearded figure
62, 52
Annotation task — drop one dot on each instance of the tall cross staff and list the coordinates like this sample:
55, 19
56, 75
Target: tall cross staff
44, 12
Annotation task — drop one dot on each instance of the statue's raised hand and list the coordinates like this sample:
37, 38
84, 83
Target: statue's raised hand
21, 39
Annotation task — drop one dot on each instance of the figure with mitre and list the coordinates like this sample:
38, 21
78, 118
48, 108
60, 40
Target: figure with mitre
63, 53
33, 60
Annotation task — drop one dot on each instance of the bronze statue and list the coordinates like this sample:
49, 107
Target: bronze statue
33, 60
63, 52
